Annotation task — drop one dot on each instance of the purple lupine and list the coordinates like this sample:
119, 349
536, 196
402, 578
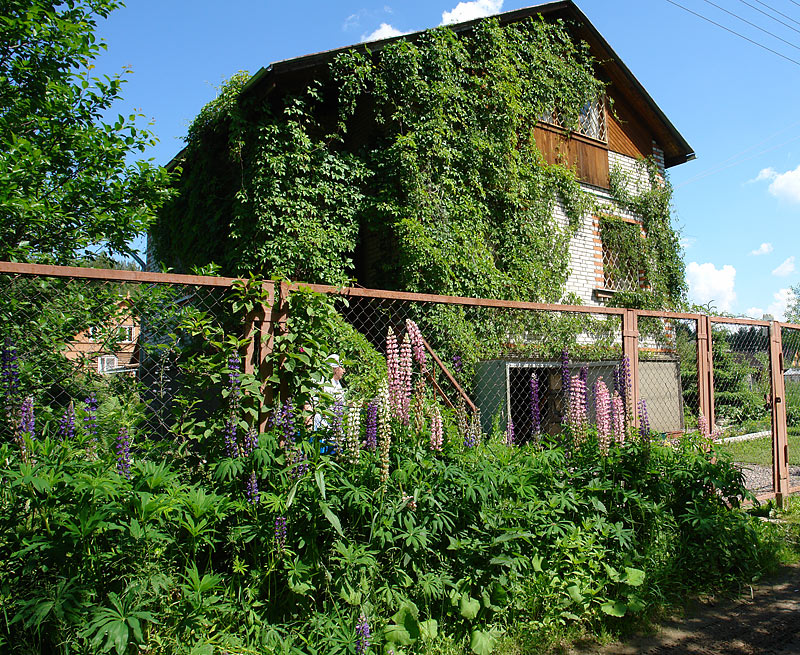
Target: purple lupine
625, 381
234, 380
90, 423
473, 434
251, 489
536, 412
297, 460
362, 634
250, 442
27, 418
458, 363
66, 426
124, 453
510, 441
234, 389
280, 532
285, 422
231, 444
371, 428
644, 421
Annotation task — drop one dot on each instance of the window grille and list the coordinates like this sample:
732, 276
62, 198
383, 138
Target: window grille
618, 273
591, 120
107, 364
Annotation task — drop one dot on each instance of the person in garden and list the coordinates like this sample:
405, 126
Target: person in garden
331, 389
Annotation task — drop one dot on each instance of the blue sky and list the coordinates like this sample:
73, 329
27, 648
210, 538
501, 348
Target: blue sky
737, 205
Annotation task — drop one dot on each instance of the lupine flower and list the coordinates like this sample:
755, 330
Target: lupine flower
584, 374
353, 439
393, 372
702, 426
644, 421
90, 425
576, 417
124, 453
66, 426
618, 420
437, 430
473, 437
280, 532
417, 344
231, 445
536, 412
602, 400
371, 428
624, 380
458, 363
510, 432
462, 421
250, 442
405, 380
251, 490
362, 634
384, 431
297, 460
285, 423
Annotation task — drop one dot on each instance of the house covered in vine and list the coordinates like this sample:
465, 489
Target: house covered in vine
512, 157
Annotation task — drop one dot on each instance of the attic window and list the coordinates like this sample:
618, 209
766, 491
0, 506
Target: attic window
591, 121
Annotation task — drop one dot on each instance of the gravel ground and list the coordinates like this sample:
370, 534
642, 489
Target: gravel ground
758, 479
764, 621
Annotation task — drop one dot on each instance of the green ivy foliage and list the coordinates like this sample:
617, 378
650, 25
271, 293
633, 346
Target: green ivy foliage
659, 254
424, 150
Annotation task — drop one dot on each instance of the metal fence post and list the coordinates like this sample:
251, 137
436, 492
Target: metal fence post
630, 349
705, 370
780, 447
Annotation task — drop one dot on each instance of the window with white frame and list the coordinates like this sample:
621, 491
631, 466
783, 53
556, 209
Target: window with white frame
107, 364
591, 120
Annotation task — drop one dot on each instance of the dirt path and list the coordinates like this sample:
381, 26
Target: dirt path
766, 624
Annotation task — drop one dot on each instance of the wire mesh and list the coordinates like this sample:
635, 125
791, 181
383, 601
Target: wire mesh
668, 373
71, 343
742, 390
790, 339
513, 368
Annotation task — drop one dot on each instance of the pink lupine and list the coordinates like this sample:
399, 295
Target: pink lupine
602, 401
437, 429
702, 426
618, 407
405, 380
393, 372
417, 344
577, 402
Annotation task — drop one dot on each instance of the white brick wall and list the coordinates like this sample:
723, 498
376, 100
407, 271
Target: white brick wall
585, 249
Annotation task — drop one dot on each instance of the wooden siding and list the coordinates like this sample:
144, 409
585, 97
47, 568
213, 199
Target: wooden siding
626, 133
589, 158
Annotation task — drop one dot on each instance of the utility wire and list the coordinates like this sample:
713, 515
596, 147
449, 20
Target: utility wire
777, 20
741, 36
744, 20
764, 4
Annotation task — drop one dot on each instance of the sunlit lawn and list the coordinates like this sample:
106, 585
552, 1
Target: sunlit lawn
759, 451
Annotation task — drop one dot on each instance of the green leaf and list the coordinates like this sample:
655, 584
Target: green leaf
332, 518
482, 642
429, 629
575, 594
536, 562
468, 607
633, 577
319, 476
612, 608
406, 627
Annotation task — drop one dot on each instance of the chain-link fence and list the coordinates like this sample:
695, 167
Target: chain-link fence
115, 347
128, 343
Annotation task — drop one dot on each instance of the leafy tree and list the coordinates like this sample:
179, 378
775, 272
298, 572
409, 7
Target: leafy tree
65, 180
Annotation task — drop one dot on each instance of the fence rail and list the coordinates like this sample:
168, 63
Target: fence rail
498, 359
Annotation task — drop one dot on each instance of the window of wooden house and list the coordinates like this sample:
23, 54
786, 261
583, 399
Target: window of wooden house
106, 364
622, 255
591, 120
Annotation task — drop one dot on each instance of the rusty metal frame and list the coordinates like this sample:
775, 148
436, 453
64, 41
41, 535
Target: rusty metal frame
780, 446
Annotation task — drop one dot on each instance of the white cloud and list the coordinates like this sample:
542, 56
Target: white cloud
786, 268
754, 312
780, 302
471, 10
763, 249
383, 32
707, 284
782, 185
